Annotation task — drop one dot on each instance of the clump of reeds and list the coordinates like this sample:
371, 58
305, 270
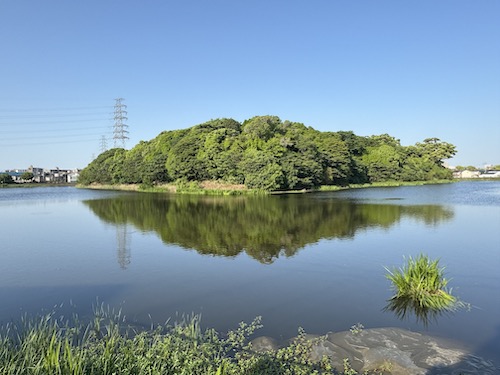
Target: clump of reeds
422, 281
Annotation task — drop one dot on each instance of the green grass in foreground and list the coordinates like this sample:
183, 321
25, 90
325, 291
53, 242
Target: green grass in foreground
50, 345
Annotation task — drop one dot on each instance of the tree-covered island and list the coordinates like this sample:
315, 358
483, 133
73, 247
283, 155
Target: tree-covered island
268, 154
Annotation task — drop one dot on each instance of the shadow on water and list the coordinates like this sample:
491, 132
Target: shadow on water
264, 227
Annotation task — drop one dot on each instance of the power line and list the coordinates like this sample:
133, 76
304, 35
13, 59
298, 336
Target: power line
52, 130
53, 122
52, 109
50, 136
8, 117
47, 143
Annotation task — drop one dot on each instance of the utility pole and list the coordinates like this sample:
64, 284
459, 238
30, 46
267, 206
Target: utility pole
104, 144
120, 128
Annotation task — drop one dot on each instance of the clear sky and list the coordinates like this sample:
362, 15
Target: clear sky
412, 69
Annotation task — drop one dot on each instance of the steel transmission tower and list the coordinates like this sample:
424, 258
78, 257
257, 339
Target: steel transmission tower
120, 132
104, 144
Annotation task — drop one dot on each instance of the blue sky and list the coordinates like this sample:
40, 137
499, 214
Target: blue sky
413, 70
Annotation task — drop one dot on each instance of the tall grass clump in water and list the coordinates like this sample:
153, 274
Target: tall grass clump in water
422, 281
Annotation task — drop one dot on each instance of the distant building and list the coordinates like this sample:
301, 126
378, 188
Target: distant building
55, 176
38, 174
59, 176
490, 174
466, 174
73, 176
15, 174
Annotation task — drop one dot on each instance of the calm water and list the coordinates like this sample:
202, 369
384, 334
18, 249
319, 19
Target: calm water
315, 261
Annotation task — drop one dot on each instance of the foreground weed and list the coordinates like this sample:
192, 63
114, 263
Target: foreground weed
106, 345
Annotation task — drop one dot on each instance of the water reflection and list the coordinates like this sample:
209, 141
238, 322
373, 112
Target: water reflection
263, 227
123, 245
403, 308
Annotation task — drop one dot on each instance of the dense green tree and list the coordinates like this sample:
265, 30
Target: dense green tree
383, 162
305, 161
383, 139
184, 161
261, 170
220, 154
6, 178
415, 169
27, 176
356, 147
355, 143
105, 169
133, 164
335, 157
261, 128
435, 150
154, 170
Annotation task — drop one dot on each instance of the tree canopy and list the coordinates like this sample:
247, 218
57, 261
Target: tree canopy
27, 176
269, 154
6, 178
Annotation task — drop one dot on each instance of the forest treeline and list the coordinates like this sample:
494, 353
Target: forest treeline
269, 154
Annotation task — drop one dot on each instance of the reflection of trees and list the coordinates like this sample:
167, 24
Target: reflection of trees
263, 227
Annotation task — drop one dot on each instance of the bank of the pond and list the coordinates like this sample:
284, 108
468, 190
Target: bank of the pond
195, 188
384, 184
34, 185
220, 188
52, 345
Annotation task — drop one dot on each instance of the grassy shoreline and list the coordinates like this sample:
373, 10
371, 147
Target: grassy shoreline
34, 185
219, 188
49, 344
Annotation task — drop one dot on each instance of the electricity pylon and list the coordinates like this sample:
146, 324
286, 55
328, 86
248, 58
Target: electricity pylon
120, 132
104, 144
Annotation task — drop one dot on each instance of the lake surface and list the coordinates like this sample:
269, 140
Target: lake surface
314, 260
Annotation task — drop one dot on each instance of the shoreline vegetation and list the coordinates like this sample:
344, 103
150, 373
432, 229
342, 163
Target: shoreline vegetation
107, 344
36, 184
221, 188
